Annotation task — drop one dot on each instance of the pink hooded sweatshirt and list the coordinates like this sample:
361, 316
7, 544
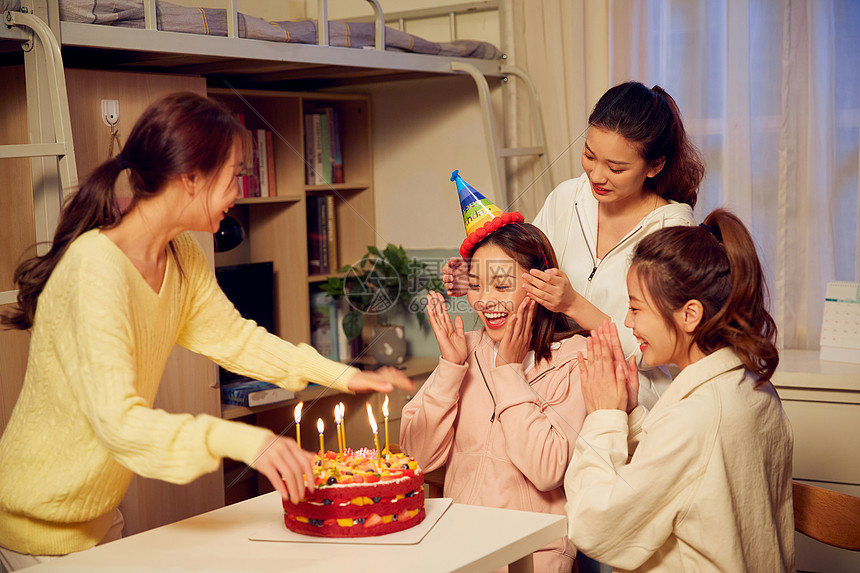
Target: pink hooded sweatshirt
505, 436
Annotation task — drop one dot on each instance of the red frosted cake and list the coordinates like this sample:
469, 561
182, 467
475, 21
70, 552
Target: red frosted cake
355, 497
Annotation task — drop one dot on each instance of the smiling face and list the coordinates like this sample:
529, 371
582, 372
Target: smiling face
495, 288
616, 169
218, 197
659, 342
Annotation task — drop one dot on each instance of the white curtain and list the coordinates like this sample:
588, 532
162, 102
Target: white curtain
770, 92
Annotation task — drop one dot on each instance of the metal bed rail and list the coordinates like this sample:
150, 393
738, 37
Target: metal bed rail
51, 149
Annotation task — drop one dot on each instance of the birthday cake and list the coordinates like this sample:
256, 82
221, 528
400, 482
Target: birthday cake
357, 497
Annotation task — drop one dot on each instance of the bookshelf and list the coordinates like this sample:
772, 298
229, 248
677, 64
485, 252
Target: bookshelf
276, 230
276, 226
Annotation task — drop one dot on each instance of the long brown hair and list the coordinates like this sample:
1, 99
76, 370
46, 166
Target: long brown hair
650, 119
715, 263
530, 248
178, 134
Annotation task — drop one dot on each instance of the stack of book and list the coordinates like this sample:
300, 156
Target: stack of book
258, 178
250, 393
322, 234
323, 147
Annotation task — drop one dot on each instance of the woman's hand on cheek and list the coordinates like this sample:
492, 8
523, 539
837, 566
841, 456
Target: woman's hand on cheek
451, 337
604, 381
551, 289
516, 342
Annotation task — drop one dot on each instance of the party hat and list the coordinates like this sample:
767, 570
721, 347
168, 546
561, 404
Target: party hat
480, 215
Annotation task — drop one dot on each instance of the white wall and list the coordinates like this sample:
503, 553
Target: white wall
422, 131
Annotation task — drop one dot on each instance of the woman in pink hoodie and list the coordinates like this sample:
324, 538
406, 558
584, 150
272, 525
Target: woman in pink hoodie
504, 407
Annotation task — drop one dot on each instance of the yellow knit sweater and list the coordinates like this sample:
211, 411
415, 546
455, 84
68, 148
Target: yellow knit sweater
84, 420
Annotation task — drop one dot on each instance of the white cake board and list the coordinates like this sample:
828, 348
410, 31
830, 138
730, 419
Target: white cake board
433, 509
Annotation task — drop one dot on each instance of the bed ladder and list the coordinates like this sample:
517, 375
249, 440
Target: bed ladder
51, 151
497, 153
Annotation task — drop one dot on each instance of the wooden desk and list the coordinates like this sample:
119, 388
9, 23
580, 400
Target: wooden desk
466, 539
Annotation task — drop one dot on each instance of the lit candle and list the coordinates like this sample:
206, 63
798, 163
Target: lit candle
385, 415
337, 420
321, 429
343, 424
375, 434
297, 413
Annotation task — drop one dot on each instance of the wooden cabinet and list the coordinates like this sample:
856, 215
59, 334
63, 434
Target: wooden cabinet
822, 400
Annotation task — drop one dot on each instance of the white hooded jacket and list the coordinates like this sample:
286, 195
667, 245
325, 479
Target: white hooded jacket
569, 220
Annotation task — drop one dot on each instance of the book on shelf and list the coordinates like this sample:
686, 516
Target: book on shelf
336, 146
309, 149
317, 241
250, 393
270, 163
324, 325
323, 147
331, 234
261, 165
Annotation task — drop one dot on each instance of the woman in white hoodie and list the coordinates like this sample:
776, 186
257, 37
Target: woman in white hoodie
641, 174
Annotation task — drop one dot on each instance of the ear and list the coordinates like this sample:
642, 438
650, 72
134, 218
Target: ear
190, 182
689, 316
656, 167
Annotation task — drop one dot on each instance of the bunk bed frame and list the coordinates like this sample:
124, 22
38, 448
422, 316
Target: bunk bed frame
47, 42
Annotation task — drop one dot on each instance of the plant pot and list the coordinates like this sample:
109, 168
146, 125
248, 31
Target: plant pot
389, 345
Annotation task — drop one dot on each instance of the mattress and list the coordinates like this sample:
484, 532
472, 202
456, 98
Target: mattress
213, 22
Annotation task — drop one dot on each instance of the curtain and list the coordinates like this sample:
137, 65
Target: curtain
770, 92
547, 39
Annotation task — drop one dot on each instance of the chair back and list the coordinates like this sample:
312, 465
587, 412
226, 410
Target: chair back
827, 516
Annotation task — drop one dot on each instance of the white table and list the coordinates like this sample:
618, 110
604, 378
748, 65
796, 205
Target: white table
467, 538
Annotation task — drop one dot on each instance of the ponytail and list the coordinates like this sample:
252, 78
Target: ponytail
715, 263
650, 119
92, 206
178, 134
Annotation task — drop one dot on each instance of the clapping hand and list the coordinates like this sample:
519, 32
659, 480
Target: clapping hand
451, 337
608, 381
516, 342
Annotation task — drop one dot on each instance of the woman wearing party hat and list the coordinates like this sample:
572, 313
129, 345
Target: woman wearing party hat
641, 174
502, 389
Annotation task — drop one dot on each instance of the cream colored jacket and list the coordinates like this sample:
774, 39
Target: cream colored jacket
708, 487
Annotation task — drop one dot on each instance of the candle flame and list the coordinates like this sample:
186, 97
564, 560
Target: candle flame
342, 410
337, 415
298, 412
371, 419
320, 425
385, 407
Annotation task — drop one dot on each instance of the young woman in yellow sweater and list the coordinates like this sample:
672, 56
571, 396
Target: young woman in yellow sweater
105, 306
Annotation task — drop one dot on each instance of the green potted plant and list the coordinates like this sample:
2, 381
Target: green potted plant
378, 284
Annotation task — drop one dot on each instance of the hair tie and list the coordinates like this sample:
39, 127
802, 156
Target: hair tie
712, 230
122, 162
